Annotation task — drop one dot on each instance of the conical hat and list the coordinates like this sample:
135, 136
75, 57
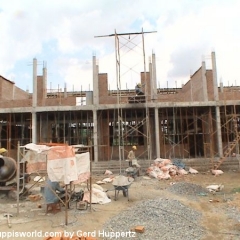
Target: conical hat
3, 150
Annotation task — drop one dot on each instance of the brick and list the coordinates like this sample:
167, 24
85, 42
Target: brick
139, 229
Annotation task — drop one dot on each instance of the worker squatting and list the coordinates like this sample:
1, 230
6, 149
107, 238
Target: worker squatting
79, 233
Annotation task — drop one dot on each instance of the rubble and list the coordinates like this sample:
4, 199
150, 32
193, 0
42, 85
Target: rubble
160, 218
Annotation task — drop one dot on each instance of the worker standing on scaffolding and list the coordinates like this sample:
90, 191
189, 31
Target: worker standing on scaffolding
138, 89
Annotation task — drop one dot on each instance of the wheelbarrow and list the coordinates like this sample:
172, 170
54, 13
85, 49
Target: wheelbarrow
132, 172
122, 183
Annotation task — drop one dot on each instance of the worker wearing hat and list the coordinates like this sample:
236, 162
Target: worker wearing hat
3, 151
133, 161
131, 155
138, 89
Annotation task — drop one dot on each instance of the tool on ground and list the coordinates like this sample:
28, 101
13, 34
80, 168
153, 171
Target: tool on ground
8, 215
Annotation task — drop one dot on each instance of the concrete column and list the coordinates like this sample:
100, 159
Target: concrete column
157, 133
34, 94
216, 98
214, 72
95, 135
151, 80
221, 87
95, 82
44, 82
34, 127
65, 90
204, 82
34, 102
154, 77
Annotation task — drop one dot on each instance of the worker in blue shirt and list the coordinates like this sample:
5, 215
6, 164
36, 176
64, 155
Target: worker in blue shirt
138, 89
53, 191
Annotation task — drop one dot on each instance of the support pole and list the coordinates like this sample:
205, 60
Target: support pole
149, 150
218, 121
18, 176
157, 133
66, 205
95, 135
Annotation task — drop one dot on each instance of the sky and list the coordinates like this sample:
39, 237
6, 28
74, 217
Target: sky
61, 35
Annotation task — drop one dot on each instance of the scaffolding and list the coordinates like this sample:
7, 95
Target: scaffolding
69, 188
125, 45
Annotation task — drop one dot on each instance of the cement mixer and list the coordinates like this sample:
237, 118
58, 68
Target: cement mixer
8, 169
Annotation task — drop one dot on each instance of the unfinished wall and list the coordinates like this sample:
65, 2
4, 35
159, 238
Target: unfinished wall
146, 84
41, 88
210, 85
15, 103
8, 90
103, 87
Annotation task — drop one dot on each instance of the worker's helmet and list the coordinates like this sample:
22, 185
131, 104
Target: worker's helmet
134, 147
139, 85
3, 150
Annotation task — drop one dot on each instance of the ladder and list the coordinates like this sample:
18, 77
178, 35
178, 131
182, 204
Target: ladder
231, 146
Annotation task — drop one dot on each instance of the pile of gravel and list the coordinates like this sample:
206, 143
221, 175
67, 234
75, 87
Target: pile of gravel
162, 219
185, 188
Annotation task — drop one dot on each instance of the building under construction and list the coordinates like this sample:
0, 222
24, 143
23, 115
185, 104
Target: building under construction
197, 121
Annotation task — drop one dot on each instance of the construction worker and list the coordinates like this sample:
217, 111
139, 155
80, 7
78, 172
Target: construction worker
3, 152
138, 89
53, 192
131, 155
133, 161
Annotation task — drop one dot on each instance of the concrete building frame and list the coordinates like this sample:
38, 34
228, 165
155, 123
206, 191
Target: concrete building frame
197, 121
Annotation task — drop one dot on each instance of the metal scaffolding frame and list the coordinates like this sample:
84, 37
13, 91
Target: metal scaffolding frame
124, 44
20, 179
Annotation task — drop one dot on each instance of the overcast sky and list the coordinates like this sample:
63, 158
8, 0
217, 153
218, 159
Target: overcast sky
61, 34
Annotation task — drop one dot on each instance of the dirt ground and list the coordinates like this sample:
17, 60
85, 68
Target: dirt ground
212, 207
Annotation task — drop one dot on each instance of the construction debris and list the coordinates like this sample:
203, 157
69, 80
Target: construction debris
216, 172
213, 200
107, 180
215, 188
34, 197
192, 170
108, 172
39, 179
139, 229
165, 169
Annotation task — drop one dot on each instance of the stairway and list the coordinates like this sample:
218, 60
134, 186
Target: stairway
116, 166
231, 146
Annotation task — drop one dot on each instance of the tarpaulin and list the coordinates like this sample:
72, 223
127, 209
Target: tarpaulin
61, 164
83, 167
36, 162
